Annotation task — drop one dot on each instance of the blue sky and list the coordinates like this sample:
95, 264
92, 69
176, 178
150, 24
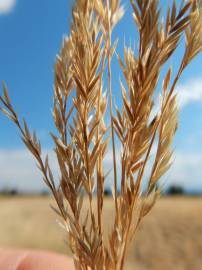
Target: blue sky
30, 37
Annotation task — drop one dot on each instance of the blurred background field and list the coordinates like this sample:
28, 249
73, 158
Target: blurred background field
169, 238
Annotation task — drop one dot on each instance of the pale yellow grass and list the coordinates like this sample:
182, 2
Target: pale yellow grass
170, 237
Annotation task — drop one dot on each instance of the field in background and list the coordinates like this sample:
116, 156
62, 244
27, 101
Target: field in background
169, 238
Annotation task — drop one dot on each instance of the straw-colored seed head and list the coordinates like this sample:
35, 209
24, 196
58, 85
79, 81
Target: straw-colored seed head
81, 110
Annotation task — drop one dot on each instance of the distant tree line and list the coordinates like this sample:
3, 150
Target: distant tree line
9, 192
171, 191
16, 192
176, 190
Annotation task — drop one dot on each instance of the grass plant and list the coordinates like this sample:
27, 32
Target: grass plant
83, 138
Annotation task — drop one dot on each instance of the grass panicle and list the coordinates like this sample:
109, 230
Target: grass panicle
82, 137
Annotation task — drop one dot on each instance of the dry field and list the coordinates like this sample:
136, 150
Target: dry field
169, 238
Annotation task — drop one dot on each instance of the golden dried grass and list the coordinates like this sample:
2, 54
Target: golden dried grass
83, 138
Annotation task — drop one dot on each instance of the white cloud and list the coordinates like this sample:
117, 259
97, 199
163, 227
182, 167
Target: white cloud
190, 92
186, 170
6, 6
187, 93
18, 170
